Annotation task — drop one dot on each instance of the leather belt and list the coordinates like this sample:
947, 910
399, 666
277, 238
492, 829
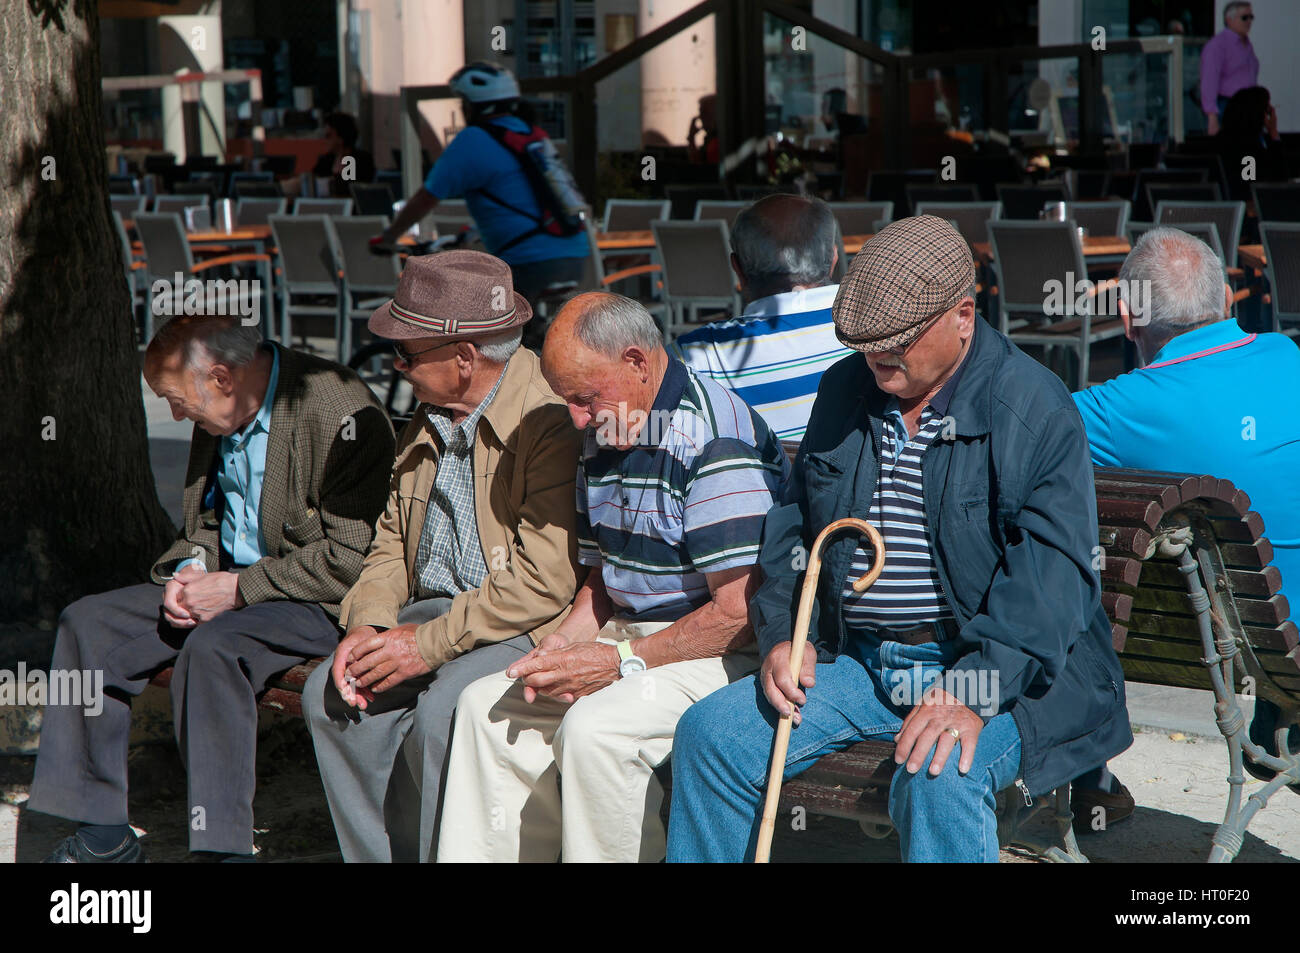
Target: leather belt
921, 634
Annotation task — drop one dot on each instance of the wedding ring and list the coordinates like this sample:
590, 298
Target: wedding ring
956, 735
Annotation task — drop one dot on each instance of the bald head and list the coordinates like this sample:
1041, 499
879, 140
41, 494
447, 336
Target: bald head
783, 242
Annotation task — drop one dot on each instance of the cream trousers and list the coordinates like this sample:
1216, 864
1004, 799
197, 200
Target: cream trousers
502, 795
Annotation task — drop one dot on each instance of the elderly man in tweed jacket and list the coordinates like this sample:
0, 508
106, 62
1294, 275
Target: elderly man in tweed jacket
473, 559
288, 470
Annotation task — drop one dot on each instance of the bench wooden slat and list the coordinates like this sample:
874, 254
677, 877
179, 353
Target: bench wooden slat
1121, 570
1255, 555
1117, 511
1188, 485
1132, 541
1165, 495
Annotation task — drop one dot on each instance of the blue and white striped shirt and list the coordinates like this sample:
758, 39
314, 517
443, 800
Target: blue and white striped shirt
908, 591
689, 499
773, 357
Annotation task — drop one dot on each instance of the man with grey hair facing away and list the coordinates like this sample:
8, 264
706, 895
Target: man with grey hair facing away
783, 253
1209, 398
474, 559
288, 470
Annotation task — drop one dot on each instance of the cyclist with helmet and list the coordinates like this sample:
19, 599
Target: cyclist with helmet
496, 187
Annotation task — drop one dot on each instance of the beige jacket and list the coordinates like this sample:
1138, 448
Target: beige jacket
525, 463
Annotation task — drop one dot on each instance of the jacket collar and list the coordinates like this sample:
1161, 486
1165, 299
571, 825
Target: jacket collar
522, 374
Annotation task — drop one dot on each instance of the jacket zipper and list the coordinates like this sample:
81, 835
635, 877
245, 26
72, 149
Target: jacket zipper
1024, 790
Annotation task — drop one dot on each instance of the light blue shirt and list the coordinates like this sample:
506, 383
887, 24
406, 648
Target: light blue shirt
1223, 404
239, 477
474, 162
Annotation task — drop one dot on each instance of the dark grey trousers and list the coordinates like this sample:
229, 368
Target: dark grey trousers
220, 667
382, 768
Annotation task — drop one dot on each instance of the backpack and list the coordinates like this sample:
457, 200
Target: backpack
562, 205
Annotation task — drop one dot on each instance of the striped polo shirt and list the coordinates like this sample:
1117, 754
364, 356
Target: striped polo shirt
773, 357
908, 591
688, 499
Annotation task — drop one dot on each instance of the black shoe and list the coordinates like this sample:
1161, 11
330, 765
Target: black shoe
72, 851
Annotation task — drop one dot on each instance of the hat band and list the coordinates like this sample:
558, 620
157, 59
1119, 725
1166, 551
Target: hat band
452, 325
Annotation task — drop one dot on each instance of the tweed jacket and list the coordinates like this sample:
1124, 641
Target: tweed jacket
525, 460
328, 456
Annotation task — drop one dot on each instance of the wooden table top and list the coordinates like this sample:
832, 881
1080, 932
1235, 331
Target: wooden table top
617, 241
1251, 256
620, 241
243, 233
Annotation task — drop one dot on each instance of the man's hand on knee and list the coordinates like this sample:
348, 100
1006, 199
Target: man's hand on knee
209, 595
176, 615
940, 721
779, 687
349, 649
385, 660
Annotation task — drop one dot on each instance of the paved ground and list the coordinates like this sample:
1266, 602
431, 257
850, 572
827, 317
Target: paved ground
1175, 768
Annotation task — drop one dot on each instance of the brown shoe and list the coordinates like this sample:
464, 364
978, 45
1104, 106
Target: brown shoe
1118, 806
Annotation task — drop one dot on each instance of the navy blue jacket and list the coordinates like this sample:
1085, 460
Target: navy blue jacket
1013, 512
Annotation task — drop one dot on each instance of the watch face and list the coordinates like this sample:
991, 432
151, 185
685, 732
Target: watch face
631, 665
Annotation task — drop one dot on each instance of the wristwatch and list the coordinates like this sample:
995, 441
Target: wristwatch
629, 663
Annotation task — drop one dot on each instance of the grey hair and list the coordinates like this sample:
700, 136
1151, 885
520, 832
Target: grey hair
612, 323
1182, 281
499, 348
780, 258
1233, 7
209, 339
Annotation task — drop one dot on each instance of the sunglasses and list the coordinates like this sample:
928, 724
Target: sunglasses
408, 357
1246, 17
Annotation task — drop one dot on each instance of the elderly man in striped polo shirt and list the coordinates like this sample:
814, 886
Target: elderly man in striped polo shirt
982, 651
677, 474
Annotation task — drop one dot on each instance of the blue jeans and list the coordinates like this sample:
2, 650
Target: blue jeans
723, 743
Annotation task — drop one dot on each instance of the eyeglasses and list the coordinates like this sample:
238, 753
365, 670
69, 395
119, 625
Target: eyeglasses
1246, 17
408, 357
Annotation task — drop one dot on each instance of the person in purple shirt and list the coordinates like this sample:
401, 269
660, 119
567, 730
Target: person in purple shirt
1228, 63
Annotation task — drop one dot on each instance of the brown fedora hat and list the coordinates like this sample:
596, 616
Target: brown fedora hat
455, 295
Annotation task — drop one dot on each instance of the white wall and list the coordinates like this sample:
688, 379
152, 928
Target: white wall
1275, 34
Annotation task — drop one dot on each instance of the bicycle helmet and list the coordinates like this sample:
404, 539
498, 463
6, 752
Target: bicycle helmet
482, 83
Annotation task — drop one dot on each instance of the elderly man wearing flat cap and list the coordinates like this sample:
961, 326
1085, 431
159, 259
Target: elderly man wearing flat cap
473, 559
982, 651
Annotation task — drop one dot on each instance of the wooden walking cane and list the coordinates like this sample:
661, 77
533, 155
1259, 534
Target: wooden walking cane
800, 635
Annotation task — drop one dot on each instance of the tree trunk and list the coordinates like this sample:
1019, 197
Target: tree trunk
78, 509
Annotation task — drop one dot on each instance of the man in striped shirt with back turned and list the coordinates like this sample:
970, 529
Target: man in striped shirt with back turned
783, 253
676, 476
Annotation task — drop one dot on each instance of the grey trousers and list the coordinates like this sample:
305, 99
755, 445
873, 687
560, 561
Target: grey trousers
220, 668
383, 767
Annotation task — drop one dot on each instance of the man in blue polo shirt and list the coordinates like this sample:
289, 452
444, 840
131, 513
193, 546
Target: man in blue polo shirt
676, 477
496, 189
783, 253
1210, 398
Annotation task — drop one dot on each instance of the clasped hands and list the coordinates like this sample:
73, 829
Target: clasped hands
193, 596
929, 724
564, 670
369, 661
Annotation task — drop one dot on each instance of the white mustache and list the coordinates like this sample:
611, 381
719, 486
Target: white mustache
891, 362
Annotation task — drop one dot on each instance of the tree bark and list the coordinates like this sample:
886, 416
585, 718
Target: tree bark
78, 509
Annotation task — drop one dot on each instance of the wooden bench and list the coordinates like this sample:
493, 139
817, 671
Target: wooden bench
1167, 542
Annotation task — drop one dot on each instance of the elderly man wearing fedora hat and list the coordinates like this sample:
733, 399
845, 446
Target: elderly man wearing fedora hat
473, 559
982, 651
